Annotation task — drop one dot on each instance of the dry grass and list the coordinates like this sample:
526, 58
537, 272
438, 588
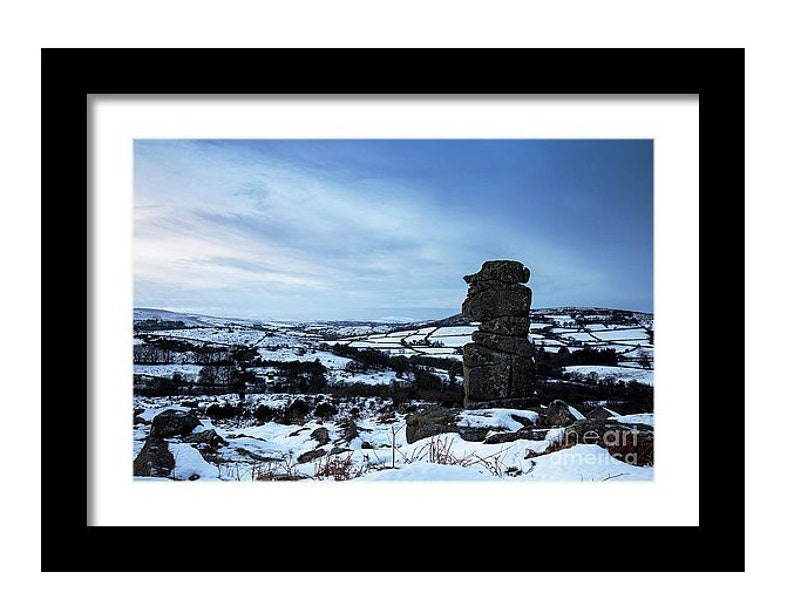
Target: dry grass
282, 470
438, 450
338, 467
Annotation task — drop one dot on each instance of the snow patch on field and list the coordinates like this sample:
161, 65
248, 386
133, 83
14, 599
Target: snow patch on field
451, 341
382, 377
632, 334
455, 331
425, 471
188, 371
149, 412
497, 419
639, 418
577, 336
584, 463
620, 373
190, 464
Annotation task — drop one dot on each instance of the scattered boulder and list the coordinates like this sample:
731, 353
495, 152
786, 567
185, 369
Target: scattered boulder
209, 438
325, 410
321, 436
264, 414
439, 420
405, 408
527, 434
297, 412
366, 445
524, 421
430, 422
349, 430
224, 411
387, 417
173, 422
190, 404
599, 413
531, 402
557, 415
473, 434
310, 456
630, 443
154, 459
137, 417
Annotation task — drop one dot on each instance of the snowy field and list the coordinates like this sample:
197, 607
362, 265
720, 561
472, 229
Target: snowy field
167, 370
619, 373
625, 334
232, 335
379, 450
559, 331
377, 447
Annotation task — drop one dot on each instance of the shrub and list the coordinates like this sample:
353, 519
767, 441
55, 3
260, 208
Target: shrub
338, 468
264, 414
325, 410
297, 412
224, 411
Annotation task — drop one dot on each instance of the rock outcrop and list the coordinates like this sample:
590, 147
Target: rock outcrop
436, 420
557, 414
498, 366
321, 436
154, 459
172, 422
630, 443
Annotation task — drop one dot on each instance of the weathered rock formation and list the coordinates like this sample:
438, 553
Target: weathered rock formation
172, 422
498, 366
154, 459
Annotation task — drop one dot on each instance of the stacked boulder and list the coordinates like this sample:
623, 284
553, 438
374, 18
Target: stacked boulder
155, 458
498, 366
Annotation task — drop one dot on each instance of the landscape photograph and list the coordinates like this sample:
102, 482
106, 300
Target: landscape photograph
378, 310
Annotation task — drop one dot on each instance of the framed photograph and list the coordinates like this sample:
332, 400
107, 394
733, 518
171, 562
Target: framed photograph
325, 304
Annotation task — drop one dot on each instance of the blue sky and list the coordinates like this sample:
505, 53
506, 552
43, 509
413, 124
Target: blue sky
366, 229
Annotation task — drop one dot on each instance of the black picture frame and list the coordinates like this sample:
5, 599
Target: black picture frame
70, 76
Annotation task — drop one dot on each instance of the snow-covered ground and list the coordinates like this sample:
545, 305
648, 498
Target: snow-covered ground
231, 335
620, 373
576, 336
301, 354
624, 334
639, 418
380, 450
190, 371
559, 331
381, 377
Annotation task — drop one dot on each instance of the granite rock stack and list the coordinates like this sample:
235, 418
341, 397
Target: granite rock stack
498, 366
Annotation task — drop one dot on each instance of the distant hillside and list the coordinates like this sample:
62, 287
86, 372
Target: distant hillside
148, 318
145, 318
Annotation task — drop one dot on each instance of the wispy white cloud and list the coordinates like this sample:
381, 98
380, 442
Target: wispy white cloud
221, 225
